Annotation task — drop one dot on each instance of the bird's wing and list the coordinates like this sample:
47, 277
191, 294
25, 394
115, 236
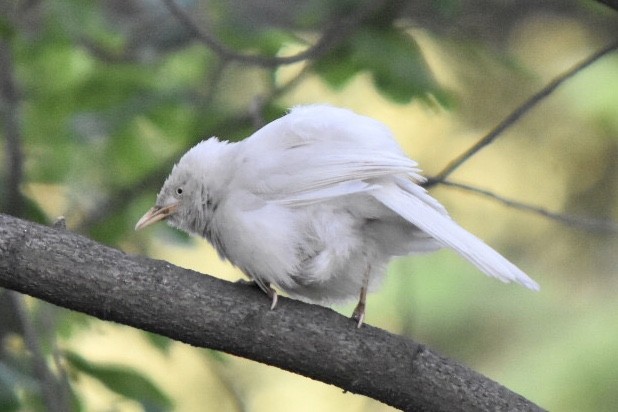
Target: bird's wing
320, 152
316, 153
412, 203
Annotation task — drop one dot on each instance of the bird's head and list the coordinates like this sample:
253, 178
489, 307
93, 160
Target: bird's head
186, 200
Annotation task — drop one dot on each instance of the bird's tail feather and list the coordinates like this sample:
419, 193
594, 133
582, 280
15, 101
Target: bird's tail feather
408, 201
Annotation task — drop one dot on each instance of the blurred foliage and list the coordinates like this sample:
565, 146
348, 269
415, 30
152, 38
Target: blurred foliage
112, 92
123, 381
394, 60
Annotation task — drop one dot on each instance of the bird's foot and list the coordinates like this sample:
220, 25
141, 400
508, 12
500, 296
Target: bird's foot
359, 310
275, 298
359, 314
270, 292
265, 287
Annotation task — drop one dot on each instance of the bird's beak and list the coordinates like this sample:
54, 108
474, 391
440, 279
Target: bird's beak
155, 214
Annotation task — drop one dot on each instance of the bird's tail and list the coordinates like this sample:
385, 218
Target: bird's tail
413, 203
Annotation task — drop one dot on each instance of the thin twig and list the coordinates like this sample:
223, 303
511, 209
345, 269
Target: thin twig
213, 80
517, 114
237, 395
259, 102
276, 92
118, 199
580, 222
332, 37
49, 327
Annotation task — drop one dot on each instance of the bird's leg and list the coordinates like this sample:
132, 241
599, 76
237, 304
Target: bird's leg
266, 288
359, 310
272, 294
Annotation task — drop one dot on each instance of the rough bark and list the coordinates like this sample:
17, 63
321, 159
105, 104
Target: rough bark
77, 273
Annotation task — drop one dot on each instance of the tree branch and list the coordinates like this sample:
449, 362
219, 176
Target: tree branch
613, 4
77, 273
586, 223
514, 116
332, 36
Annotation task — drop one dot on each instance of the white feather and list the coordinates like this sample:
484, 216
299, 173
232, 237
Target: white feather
411, 202
314, 201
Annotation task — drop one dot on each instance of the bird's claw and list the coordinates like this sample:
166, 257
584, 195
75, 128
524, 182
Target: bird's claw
359, 314
265, 287
275, 299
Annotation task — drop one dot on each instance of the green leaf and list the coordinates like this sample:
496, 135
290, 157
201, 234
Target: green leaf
217, 356
395, 60
111, 230
123, 381
8, 399
271, 41
162, 343
337, 67
19, 389
263, 41
33, 212
6, 32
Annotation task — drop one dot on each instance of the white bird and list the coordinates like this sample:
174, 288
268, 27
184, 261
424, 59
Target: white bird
316, 204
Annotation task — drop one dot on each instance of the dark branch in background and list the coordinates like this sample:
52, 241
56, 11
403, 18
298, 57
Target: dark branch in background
77, 273
514, 116
230, 384
53, 391
589, 224
585, 223
336, 33
213, 80
613, 4
9, 110
120, 198
261, 101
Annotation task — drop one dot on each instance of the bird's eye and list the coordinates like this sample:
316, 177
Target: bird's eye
179, 191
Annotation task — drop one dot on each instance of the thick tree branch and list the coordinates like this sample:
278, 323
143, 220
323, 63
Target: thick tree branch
77, 273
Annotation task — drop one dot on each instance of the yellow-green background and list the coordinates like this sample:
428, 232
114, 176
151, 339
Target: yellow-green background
108, 95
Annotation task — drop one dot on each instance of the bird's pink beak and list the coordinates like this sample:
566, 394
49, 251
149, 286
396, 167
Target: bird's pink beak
155, 214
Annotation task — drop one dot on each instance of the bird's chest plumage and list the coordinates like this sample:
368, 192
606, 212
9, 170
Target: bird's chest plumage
300, 250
